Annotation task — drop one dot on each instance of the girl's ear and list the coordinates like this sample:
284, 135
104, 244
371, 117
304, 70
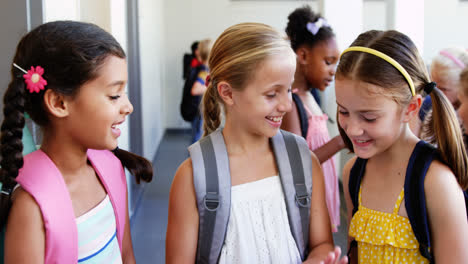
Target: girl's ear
412, 110
302, 54
55, 103
225, 92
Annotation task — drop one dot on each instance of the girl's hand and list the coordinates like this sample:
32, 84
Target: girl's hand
334, 258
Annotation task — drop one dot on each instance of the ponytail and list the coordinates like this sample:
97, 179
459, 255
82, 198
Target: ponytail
211, 109
11, 146
138, 166
443, 129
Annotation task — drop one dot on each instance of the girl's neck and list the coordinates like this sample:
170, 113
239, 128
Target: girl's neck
300, 82
241, 142
400, 151
68, 158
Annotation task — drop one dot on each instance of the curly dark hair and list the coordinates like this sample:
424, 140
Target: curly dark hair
297, 28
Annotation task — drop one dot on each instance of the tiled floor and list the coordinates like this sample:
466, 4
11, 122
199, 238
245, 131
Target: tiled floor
149, 222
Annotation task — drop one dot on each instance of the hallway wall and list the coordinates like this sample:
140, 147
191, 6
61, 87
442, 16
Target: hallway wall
151, 29
187, 21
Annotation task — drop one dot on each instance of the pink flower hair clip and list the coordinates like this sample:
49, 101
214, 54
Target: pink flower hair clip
33, 78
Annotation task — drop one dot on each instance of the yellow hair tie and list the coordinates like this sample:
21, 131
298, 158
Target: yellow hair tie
388, 59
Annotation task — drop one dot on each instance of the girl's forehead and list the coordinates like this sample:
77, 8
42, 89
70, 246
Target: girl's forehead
361, 95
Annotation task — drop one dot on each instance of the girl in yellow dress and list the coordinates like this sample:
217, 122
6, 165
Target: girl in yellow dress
379, 82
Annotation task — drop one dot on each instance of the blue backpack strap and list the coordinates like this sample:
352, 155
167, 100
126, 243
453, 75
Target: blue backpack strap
354, 183
415, 199
303, 119
294, 162
212, 182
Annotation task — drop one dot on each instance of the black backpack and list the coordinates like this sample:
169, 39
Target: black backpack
189, 107
415, 199
303, 119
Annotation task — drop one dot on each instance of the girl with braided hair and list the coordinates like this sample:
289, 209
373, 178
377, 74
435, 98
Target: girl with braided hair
69, 198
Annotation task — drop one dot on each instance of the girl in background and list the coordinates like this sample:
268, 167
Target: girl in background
314, 43
445, 70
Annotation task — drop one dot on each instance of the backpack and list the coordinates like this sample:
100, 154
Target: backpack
415, 199
212, 182
187, 61
189, 107
303, 119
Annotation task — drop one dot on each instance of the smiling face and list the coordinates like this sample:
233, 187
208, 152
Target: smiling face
100, 106
261, 105
372, 122
321, 63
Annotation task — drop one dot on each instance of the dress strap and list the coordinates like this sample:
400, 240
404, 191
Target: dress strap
396, 209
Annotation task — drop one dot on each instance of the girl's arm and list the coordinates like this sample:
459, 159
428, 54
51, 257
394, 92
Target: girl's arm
25, 234
198, 88
127, 249
329, 149
320, 237
182, 225
291, 121
447, 215
349, 204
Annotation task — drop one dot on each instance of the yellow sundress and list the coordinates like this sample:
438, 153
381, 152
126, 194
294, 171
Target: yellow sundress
384, 237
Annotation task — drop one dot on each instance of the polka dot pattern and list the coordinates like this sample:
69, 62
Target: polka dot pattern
384, 237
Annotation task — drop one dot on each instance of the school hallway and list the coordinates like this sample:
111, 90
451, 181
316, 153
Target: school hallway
149, 221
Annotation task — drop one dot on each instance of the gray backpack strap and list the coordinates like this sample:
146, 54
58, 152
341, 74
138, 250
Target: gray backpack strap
212, 182
295, 168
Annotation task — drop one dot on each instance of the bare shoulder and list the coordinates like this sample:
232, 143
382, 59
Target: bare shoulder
23, 202
183, 177
25, 233
440, 181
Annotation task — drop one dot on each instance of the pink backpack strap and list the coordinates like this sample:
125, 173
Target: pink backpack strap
44, 182
112, 175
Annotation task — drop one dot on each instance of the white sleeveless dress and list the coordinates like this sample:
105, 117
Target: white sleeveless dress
258, 230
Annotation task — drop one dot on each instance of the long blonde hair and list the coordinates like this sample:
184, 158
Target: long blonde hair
372, 69
233, 59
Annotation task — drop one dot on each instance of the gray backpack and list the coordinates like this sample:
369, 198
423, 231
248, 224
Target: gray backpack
212, 182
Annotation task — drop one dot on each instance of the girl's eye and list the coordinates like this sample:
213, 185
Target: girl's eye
370, 120
289, 90
271, 95
114, 97
341, 112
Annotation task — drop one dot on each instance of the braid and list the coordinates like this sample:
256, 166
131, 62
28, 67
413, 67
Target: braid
138, 166
211, 109
11, 148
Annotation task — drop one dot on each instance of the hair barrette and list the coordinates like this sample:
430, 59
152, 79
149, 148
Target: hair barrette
314, 27
33, 78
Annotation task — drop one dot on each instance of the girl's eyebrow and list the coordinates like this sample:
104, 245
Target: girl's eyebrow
365, 111
116, 83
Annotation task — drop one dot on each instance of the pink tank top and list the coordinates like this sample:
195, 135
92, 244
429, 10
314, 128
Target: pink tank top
44, 182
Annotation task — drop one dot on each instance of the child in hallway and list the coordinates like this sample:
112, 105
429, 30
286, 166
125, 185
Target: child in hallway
199, 87
69, 198
317, 53
445, 70
379, 82
251, 72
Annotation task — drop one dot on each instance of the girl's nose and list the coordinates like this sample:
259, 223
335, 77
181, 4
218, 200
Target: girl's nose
353, 128
127, 107
285, 104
